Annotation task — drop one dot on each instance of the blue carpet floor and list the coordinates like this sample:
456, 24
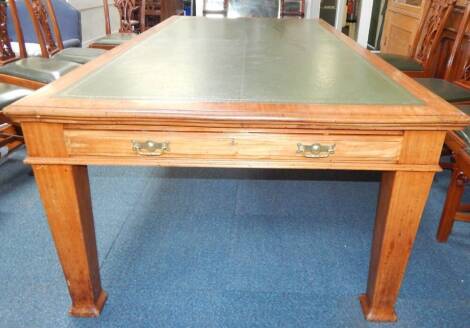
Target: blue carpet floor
226, 248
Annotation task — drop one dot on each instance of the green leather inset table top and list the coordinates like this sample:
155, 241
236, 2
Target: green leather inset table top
242, 60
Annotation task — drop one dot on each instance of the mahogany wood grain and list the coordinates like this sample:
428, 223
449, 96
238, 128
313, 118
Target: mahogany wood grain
241, 146
106, 17
453, 199
101, 46
402, 199
18, 29
422, 147
65, 192
21, 82
6, 52
456, 71
453, 209
452, 68
463, 217
429, 35
168, 8
448, 42
66, 196
43, 16
153, 11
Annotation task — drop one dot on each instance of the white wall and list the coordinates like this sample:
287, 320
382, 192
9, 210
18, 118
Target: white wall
92, 12
312, 8
364, 22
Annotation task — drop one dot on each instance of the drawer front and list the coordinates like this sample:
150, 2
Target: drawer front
217, 145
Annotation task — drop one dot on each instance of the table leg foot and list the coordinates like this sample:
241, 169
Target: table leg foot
90, 310
372, 314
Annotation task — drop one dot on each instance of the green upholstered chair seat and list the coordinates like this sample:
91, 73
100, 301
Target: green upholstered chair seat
10, 93
79, 55
38, 69
445, 89
403, 63
115, 39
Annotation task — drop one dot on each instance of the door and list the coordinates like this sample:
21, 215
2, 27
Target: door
328, 11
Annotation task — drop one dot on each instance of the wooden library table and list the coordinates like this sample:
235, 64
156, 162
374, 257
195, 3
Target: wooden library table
242, 93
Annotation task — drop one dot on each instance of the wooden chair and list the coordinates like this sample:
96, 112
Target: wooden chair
131, 13
126, 27
10, 139
51, 44
459, 144
33, 72
422, 63
455, 86
217, 8
292, 8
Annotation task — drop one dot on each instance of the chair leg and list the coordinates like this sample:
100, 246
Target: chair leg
452, 204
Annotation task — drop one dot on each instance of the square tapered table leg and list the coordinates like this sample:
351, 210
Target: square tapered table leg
402, 199
65, 192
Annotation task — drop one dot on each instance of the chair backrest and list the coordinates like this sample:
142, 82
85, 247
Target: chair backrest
43, 17
458, 64
215, 8
292, 8
68, 18
107, 22
140, 14
430, 31
7, 55
127, 13
128, 10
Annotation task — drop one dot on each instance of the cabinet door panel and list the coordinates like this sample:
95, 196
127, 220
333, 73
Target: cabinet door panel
400, 27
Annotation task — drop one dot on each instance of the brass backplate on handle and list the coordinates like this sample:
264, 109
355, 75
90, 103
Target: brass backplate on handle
316, 150
150, 148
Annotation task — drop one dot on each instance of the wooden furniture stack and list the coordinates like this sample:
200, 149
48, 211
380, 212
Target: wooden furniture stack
153, 12
401, 25
292, 8
449, 36
423, 59
454, 87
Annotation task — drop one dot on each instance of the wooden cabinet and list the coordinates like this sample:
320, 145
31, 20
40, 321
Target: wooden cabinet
400, 26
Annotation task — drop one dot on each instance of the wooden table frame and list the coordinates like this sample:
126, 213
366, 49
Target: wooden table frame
63, 136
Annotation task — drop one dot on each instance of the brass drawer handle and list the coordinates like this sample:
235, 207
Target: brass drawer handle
316, 150
150, 148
